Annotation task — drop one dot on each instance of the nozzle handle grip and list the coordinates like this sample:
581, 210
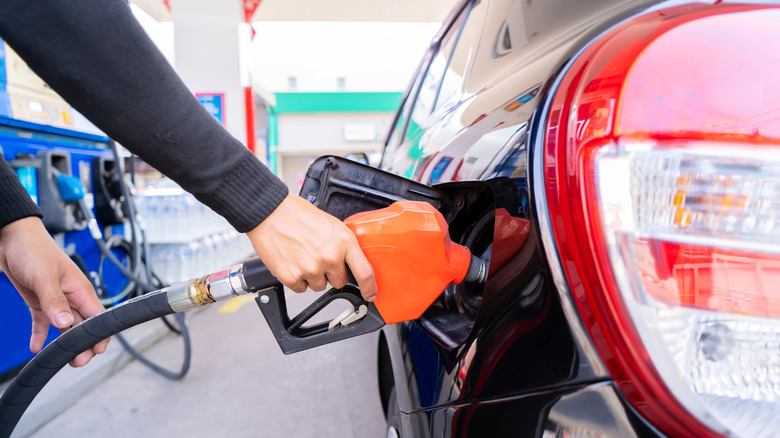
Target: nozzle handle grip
256, 275
295, 334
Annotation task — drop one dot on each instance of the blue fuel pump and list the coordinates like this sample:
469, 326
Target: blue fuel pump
49, 161
50, 147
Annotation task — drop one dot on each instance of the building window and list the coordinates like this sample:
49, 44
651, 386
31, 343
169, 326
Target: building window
292, 83
341, 83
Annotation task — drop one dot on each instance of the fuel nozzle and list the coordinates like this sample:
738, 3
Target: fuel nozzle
414, 261
477, 272
413, 257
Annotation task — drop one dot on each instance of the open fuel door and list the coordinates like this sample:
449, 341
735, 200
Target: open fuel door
343, 187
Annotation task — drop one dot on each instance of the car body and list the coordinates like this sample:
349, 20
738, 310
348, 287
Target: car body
540, 115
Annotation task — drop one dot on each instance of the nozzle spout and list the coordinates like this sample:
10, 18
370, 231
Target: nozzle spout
477, 272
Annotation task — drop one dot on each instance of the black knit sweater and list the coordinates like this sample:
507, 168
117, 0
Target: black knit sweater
96, 56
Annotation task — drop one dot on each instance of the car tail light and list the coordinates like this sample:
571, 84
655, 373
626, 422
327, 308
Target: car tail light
662, 174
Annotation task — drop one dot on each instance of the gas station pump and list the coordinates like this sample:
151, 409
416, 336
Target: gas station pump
49, 146
42, 155
60, 213
109, 199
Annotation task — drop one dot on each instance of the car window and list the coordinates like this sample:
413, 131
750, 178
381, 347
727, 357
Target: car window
455, 54
397, 135
463, 55
442, 85
403, 146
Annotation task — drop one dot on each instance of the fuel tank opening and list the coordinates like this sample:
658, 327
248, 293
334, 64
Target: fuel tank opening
451, 317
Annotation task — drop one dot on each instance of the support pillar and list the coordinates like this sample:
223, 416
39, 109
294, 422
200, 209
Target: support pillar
209, 38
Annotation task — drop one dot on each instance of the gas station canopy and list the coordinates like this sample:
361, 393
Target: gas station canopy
333, 10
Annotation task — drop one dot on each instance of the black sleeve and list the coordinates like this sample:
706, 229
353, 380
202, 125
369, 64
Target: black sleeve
96, 56
15, 202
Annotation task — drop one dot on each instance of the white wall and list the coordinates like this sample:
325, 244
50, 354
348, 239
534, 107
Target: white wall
370, 56
325, 131
304, 137
160, 32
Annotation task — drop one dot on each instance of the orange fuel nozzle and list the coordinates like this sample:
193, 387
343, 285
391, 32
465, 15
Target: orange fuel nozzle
414, 260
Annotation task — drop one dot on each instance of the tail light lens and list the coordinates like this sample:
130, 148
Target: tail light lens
663, 184
692, 238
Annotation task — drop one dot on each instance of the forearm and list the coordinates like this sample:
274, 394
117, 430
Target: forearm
96, 56
15, 202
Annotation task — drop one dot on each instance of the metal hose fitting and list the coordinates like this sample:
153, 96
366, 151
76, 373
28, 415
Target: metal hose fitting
218, 286
226, 284
188, 294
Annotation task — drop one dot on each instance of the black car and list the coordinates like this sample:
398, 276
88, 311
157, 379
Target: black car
618, 165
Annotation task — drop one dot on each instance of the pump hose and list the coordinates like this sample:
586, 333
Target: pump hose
183, 331
29, 382
145, 287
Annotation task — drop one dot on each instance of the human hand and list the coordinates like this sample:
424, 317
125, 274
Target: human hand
304, 246
54, 288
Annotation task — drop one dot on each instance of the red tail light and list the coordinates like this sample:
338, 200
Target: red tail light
662, 175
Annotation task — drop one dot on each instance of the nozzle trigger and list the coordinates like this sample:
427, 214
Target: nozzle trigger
349, 316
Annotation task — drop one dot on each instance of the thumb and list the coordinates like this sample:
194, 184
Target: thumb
54, 304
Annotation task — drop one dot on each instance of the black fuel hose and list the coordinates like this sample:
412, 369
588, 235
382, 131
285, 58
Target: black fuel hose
29, 382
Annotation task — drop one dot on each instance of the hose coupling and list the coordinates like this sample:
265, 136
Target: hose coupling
218, 286
188, 294
226, 284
